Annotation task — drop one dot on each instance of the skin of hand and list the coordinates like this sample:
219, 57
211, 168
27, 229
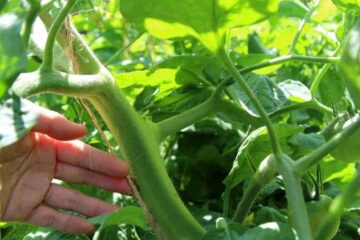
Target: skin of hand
51, 150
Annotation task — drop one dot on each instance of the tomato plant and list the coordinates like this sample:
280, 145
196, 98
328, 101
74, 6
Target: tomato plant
219, 107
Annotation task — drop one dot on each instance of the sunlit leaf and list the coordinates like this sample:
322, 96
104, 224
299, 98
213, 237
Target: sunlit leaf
347, 5
188, 68
292, 8
295, 91
206, 20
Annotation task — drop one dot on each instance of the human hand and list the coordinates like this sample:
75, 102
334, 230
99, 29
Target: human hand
28, 166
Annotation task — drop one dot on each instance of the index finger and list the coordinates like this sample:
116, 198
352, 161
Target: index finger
57, 126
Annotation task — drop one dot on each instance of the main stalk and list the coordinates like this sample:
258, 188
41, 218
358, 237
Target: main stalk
139, 142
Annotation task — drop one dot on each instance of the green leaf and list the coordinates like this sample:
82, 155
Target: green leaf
133, 82
17, 117
12, 50
305, 143
2, 4
255, 148
232, 231
177, 101
295, 91
310, 140
205, 217
270, 231
268, 93
55, 235
332, 89
347, 5
350, 64
145, 97
128, 215
269, 214
207, 20
255, 46
188, 68
14, 230
292, 8
13, 6
167, 75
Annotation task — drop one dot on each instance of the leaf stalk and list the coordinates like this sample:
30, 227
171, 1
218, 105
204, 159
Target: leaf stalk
225, 59
47, 64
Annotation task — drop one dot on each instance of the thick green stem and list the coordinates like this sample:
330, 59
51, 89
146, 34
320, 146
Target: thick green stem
263, 176
85, 60
225, 59
57, 82
338, 205
47, 64
301, 26
303, 164
286, 58
296, 204
139, 143
137, 139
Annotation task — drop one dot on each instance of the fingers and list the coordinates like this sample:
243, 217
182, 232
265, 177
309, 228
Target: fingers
69, 199
57, 126
48, 217
82, 155
70, 173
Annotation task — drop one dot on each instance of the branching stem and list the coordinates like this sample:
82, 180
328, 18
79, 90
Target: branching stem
286, 58
68, 84
296, 204
47, 64
304, 163
225, 59
302, 25
30, 18
186, 118
263, 176
297, 106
